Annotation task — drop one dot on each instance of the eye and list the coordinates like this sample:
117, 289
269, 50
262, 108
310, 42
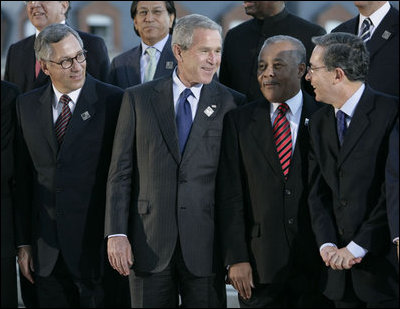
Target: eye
261, 66
277, 66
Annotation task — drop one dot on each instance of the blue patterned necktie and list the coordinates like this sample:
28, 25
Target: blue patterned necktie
341, 125
184, 118
365, 34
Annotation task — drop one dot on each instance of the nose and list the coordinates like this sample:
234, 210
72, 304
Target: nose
213, 57
308, 76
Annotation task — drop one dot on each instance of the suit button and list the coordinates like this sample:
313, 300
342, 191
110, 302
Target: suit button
291, 221
183, 207
288, 192
343, 202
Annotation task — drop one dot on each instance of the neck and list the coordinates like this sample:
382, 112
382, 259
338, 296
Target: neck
346, 92
370, 9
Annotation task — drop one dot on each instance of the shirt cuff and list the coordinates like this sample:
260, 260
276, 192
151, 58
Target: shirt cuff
356, 250
114, 235
326, 245
396, 240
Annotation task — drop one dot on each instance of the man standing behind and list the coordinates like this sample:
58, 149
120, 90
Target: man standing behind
64, 141
263, 219
153, 58
161, 184
22, 54
243, 43
349, 147
378, 26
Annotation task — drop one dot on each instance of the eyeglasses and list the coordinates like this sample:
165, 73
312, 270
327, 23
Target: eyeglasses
67, 63
311, 70
156, 12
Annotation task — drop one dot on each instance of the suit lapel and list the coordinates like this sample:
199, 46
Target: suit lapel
133, 70
86, 104
208, 98
166, 64
384, 33
358, 125
163, 107
261, 131
45, 118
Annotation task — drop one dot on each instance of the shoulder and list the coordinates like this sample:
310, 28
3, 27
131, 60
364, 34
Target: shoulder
227, 93
102, 87
345, 26
125, 56
242, 29
305, 25
23, 44
10, 88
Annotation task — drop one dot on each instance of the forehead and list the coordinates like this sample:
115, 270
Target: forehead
203, 36
150, 4
278, 50
316, 56
67, 47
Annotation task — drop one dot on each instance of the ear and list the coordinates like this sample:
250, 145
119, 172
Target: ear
65, 6
301, 70
44, 67
339, 76
177, 50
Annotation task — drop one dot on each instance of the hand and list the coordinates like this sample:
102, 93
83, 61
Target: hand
241, 277
327, 253
343, 259
25, 262
120, 254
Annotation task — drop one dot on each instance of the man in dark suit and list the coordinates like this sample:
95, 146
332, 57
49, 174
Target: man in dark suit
64, 140
382, 40
153, 23
160, 191
9, 298
392, 185
349, 147
262, 212
242, 44
21, 65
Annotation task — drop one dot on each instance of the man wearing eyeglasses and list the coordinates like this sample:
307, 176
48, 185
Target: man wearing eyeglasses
64, 138
21, 54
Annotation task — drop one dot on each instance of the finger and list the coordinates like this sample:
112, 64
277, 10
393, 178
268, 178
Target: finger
247, 290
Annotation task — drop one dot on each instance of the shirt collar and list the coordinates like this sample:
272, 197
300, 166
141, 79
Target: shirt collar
179, 87
74, 95
376, 17
158, 46
294, 103
349, 107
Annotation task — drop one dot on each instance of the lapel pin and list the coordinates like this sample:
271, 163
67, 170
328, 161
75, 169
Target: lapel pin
214, 106
85, 116
169, 65
386, 35
208, 111
306, 120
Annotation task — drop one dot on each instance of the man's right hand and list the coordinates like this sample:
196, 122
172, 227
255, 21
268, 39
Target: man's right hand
120, 254
25, 262
241, 277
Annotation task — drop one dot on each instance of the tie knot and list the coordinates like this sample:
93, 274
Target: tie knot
283, 108
340, 115
151, 51
65, 99
186, 93
367, 23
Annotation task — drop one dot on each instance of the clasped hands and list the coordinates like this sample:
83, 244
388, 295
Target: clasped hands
338, 259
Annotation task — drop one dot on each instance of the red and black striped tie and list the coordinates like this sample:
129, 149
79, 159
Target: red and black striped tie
283, 138
63, 119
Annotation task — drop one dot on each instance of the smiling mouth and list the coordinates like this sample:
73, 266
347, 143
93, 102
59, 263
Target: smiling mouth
266, 84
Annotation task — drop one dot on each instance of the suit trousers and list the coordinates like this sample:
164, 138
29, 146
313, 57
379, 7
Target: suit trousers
162, 290
62, 290
9, 298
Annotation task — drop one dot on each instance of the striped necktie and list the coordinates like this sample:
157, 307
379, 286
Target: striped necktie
151, 65
283, 138
365, 34
63, 120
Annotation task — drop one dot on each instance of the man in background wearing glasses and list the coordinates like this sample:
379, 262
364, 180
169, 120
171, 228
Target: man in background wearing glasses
64, 137
21, 54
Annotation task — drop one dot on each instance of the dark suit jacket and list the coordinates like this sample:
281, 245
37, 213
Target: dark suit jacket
20, 64
261, 218
61, 193
9, 93
164, 195
392, 182
243, 43
125, 68
346, 197
383, 72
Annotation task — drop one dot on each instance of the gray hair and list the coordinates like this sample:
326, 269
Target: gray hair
185, 26
300, 50
346, 51
52, 34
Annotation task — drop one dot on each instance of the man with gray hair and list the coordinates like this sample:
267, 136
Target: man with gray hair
64, 136
161, 184
349, 139
262, 212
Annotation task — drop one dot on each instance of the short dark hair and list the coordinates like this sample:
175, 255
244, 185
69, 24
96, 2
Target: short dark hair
170, 8
346, 51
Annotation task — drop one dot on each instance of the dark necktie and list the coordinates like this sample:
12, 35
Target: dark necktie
184, 118
63, 120
283, 138
341, 125
366, 30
